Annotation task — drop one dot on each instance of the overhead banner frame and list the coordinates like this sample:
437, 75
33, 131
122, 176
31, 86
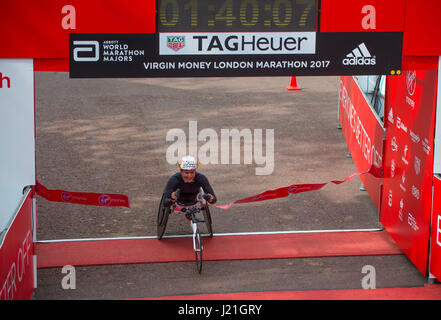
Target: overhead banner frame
235, 38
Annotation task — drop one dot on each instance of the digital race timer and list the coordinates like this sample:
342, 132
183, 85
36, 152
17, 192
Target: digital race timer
235, 38
236, 15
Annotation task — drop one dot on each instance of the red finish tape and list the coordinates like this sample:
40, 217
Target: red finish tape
298, 188
85, 198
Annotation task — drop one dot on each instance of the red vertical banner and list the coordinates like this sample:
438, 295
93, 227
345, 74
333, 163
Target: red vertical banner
408, 161
40, 29
16, 256
435, 246
364, 134
361, 15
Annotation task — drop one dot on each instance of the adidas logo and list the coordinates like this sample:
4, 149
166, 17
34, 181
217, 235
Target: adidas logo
360, 56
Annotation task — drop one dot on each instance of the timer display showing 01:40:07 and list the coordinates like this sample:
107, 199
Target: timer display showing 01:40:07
237, 15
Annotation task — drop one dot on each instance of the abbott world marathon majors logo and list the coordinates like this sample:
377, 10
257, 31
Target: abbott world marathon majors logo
237, 43
360, 56
107, 51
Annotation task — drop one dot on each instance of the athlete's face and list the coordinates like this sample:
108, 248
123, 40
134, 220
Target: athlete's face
188, 175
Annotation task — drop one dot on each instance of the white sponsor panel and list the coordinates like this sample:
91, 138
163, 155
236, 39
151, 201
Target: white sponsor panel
17, 141
237, 43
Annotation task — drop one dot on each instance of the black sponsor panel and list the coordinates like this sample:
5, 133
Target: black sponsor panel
137, 56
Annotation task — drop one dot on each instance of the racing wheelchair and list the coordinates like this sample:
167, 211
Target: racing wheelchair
192, 212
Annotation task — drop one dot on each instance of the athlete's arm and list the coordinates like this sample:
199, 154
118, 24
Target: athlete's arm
205, 184
169, 196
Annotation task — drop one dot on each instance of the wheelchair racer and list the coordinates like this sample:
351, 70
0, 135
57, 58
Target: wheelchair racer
189, 182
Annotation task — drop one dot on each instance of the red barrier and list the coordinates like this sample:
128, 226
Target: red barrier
363, 134
435, 246
16, 257
407, 196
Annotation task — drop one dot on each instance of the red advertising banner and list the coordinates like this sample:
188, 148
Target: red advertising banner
418, 19
16, 257
364, 134
361, 15
40, 29
408, 161
435, 246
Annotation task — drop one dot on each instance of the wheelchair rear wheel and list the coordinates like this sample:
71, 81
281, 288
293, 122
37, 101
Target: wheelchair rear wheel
163, 213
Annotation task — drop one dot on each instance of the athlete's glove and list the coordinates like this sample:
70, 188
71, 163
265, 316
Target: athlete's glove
168, 202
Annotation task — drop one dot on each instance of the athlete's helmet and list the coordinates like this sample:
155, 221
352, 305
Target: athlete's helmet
188, 163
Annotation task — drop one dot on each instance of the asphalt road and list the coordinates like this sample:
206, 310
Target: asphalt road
109, 135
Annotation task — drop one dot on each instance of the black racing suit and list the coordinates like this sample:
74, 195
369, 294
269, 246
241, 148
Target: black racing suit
188, 191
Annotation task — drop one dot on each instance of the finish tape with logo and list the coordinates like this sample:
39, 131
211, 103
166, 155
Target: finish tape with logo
298, 188
85, 198
119, 200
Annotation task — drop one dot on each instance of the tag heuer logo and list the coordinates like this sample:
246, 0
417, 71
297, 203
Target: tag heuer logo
176, 42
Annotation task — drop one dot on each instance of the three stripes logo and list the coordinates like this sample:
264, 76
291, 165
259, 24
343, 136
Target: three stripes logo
360, 56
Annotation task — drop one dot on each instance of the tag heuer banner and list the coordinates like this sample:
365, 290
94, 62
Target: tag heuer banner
234, 54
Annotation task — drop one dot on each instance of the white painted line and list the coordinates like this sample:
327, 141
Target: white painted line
293, 232
205, 235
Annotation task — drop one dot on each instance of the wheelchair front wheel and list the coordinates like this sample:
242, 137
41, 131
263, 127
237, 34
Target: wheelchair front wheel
198, 251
